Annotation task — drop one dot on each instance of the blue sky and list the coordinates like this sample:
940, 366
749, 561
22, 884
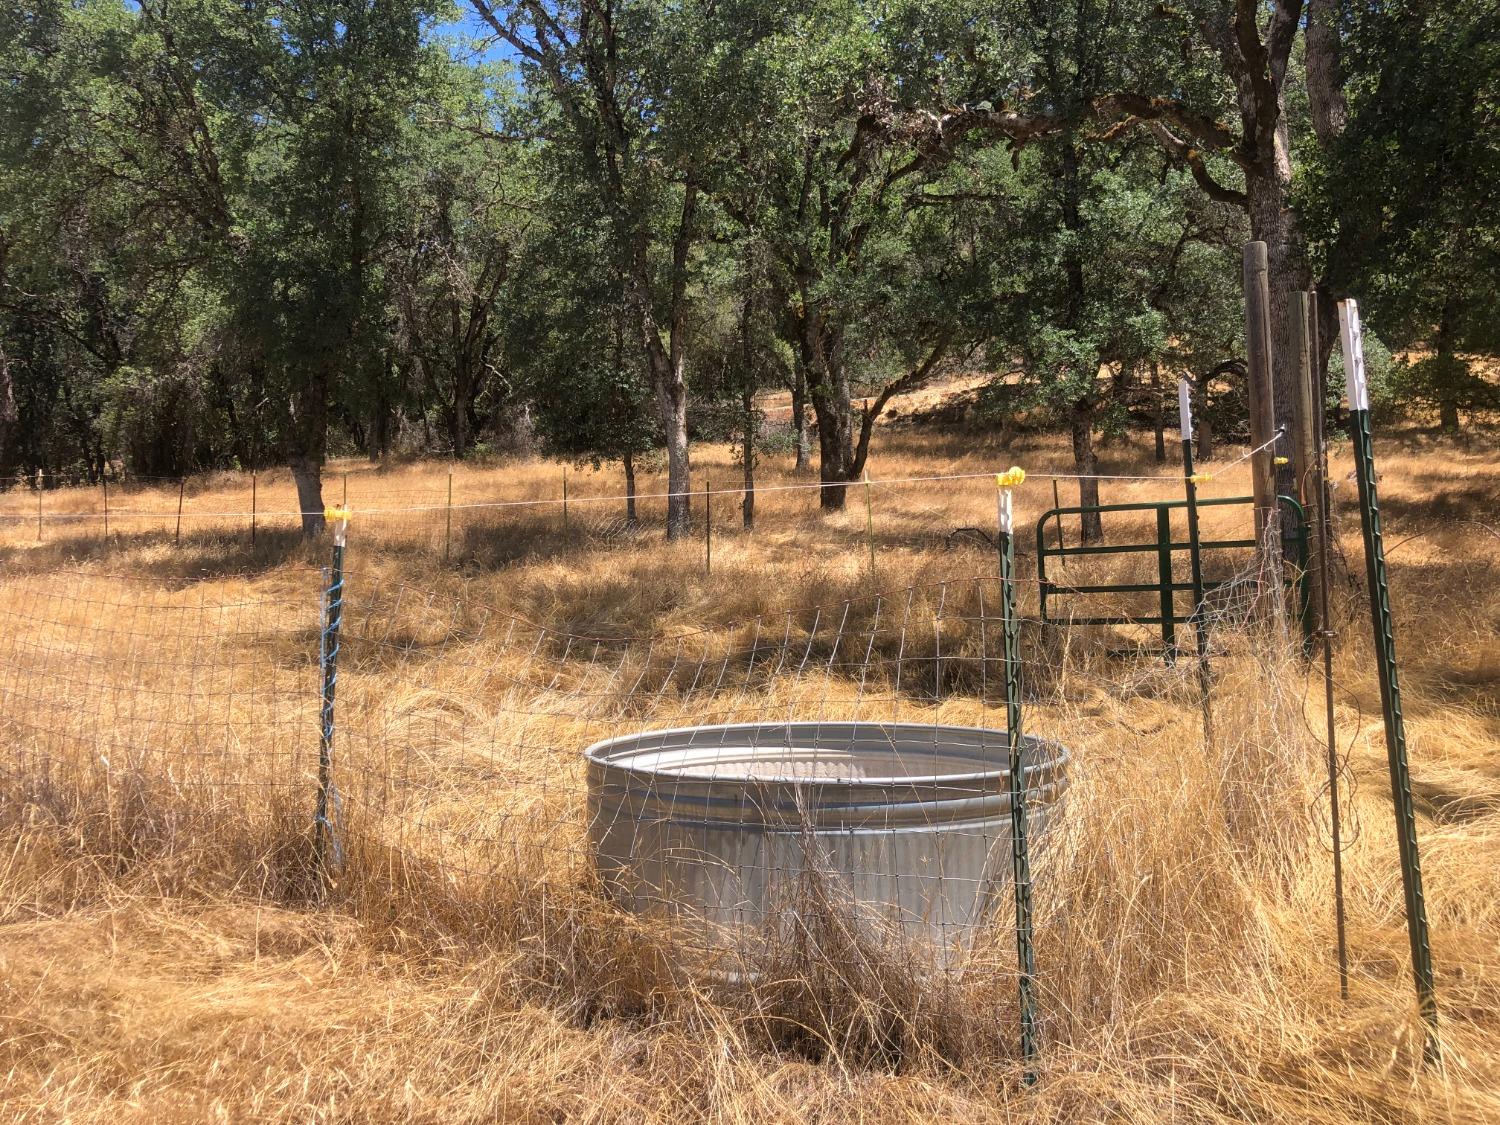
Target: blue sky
467, 23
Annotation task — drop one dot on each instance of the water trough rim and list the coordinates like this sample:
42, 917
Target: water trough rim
1059, 754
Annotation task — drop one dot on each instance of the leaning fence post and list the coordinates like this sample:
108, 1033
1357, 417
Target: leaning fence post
333, 615
1019, 839
1320, 486
181, 489
1390, 683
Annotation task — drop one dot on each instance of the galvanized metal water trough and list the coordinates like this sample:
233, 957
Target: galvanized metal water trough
906, 823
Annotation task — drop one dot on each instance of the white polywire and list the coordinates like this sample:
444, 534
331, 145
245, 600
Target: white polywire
616, 498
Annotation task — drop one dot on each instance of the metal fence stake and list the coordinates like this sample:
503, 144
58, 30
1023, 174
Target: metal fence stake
1195, 556
870, 522
448, 521
1057, 503
177, 534
1019, 840
104, 481
708, 524
325, 814
1390, 683
1323, 490
252, 506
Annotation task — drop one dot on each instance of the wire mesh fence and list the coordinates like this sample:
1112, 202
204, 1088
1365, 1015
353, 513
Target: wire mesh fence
824, 784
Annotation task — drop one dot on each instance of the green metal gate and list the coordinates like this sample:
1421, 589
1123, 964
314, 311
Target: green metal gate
1166, 586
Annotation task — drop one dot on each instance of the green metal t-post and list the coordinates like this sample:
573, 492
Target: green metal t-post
333, 617
1195, 550
1390, 683
1019, 836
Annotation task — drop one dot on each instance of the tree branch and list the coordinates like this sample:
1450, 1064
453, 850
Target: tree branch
910, 381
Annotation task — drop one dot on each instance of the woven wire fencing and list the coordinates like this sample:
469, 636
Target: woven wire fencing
819, 789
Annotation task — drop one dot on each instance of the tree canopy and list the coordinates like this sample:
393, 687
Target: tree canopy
254, 233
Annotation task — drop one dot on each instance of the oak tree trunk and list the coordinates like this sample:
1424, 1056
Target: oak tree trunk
630, 517
1086, 462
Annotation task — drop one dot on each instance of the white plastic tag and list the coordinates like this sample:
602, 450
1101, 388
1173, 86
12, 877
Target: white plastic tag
1354, 355
1185, 409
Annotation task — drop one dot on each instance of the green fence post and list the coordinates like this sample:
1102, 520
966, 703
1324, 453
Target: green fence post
328, 655
1195, 552
1164, 579
1019, 837
1390, 684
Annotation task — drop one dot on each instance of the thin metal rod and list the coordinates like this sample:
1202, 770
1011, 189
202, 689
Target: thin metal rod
104, 481
41, 485
252, 506
1057, 503
565, 499
708, 525
1390, 682
181, 490
448, 526
1319, 451
870, 521
1019, 834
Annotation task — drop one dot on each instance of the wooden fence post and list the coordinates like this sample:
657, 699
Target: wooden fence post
1262, 406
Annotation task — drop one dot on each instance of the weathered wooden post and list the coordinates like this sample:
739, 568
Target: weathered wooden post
1304, 444
1262, 408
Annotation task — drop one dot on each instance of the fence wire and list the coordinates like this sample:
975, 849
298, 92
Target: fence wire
844, 758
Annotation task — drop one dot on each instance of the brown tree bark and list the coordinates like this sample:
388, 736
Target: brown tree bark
1086, 462
310, 447
629, 462
799, 419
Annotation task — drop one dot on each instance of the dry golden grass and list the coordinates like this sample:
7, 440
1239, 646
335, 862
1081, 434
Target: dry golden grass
164, 957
